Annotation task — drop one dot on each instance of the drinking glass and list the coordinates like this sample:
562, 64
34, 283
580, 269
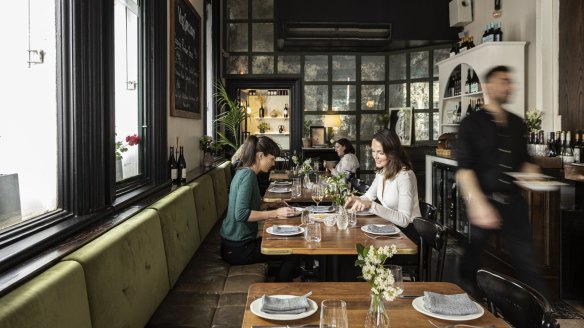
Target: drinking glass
330, 219
312, 232
317, 194
296, 187
333, 313
398, 278
305, 218
352, 215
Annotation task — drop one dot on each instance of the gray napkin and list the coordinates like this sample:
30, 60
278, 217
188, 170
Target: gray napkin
321, 208
293, 305
381, 229
458, 304
282, 229
279, 189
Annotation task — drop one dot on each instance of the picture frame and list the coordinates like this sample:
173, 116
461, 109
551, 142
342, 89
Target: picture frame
186, 92
400, 120
317, 135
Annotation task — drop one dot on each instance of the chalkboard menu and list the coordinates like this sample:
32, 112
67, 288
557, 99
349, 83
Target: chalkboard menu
185, 60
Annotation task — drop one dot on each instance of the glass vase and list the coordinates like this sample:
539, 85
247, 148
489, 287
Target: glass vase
342, 217
307, 183
376, 316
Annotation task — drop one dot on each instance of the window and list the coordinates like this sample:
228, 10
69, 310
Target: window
127, 90
28, 112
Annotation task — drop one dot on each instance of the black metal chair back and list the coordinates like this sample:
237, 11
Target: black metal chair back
432, 236
428, 211
518, 303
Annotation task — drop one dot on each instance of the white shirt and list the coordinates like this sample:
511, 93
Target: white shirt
348, 163
398, 197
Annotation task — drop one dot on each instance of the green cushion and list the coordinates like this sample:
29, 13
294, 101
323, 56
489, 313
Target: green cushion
55, 298
125, 270
226, 167
204, 203
220, 187
180, 229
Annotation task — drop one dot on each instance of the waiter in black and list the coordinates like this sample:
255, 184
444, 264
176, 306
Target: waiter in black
491, 142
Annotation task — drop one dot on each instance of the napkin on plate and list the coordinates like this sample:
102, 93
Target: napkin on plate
279, 189
284, 229
457, 304
381, 228
293, 305
321, 208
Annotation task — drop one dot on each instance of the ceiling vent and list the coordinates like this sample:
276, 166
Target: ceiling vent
334, 35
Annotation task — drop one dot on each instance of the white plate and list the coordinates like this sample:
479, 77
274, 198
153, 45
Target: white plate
256, 308
540, 185
270, 230
528, 176
279, 190
364, 213
319, 217
366, 229
321, 209
418, 304
282, 183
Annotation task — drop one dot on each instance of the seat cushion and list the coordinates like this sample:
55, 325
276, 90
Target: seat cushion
204, 195
185, 309
55, 298
125, 270
220, 188
180, 229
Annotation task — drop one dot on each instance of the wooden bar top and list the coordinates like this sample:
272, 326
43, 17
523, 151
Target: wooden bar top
356, 294
334, 241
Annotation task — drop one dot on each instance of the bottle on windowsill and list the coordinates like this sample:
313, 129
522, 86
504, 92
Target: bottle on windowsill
182, 165
172, 166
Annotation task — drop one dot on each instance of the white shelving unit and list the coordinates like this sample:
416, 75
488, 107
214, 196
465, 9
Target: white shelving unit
480, 59
271, 104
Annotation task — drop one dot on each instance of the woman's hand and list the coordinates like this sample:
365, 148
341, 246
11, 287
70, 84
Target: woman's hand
283, 212
361, 205
349, 201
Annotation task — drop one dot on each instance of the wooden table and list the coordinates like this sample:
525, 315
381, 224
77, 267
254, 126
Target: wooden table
334, 241
356, 294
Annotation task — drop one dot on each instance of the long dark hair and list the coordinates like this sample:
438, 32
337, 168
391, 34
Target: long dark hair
349, 149
396, 155
254, 145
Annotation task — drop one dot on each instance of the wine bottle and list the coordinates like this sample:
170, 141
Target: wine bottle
568, 155
486, 33
469, 108
182, 165
172, 166
577, 147
471, 42
286, 111
498, 33
453, 50
551, 148
262, 110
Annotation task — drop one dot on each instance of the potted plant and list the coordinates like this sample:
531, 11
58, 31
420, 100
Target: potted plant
306, 133
122, 147
228, 121
263, 127
207, 145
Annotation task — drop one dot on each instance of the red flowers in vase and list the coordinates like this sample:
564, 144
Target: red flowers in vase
122, 147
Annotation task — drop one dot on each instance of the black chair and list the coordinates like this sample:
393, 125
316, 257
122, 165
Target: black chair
358, 185
432, 236
520, 305
428, 211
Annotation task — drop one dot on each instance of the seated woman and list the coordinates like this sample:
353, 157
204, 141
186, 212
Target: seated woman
239, 242
394, 184
348, 161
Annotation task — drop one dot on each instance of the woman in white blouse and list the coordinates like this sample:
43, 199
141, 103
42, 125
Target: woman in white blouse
348, 161
394, 185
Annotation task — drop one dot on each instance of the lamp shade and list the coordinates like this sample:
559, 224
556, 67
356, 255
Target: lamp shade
332, 121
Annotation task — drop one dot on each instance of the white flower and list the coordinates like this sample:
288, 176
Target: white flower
380, 278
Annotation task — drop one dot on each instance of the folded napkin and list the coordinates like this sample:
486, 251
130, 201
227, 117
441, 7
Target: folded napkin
285, 229
293, 305
458, 304
279, 189
321, 208
381, 228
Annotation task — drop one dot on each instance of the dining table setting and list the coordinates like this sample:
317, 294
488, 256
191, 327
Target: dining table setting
349, 304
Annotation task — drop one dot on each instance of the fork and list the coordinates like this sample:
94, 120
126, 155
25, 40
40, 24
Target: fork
460, 325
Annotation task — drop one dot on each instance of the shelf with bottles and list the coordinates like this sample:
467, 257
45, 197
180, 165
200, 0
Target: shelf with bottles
271, 118
271, 134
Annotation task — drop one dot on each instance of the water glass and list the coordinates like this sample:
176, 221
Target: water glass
396, 272
305, 218
312, 232
342, 219
352, 215
296, 187
333, 313
330, 220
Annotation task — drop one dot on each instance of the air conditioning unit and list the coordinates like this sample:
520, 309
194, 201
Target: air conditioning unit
460, 12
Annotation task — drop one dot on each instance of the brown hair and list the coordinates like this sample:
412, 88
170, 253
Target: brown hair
254, 145
349, 149
396, 155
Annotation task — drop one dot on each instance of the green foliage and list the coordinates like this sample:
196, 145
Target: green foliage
337, 188
263, 126
306, 128
229, 120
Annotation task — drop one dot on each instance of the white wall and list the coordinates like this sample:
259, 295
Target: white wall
533, 21
188, 130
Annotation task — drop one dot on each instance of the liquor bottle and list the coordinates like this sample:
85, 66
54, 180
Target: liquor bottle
467, 83
577, 147
485, 33
499, 33
568, 154
262, 112
453, 50
551, 145
182, 166
172, 166
471, 42
286, 111
469, 108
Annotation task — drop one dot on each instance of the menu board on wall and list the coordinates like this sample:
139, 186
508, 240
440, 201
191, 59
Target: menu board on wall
185, 60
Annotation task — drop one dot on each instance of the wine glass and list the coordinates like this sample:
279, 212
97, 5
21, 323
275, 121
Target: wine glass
317, 194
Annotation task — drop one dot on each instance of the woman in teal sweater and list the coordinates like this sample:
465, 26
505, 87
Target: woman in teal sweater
239, 242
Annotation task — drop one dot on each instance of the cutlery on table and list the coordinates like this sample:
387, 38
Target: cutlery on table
459, 325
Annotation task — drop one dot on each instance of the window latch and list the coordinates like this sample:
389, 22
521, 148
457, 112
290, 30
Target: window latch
131, 85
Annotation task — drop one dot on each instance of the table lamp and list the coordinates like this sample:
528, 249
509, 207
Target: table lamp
331, 122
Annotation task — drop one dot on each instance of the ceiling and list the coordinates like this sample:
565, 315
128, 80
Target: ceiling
366, 25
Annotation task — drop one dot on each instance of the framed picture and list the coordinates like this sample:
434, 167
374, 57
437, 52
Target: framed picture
317, 135
400, 120
185, 60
